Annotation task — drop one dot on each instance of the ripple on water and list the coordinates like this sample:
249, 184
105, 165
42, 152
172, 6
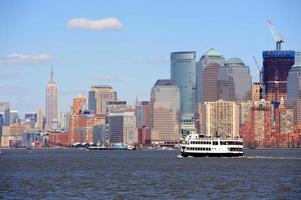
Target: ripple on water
148, 175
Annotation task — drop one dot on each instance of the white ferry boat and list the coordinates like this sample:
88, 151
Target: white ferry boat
198, 146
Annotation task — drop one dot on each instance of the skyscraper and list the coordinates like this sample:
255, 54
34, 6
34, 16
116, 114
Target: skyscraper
39, 121
207, 75
276, 65
142, 113
294, 89
165, 113
14, 116
5, 113
183, 72
98, 97
51, 103
294, 79
235, 81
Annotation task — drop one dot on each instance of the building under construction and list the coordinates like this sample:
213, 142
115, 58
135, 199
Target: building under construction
276, 65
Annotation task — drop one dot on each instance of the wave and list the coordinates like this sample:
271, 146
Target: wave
269, 157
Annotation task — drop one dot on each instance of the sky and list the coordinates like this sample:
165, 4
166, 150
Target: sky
126, 44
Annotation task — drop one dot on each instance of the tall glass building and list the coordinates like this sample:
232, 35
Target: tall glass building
183, 71
235, 81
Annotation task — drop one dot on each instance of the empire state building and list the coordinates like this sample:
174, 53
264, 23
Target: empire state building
51, 103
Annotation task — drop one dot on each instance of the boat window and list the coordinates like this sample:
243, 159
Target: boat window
215, 142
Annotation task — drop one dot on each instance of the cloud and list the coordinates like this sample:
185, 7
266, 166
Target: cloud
108, 78
13, 59
99, 24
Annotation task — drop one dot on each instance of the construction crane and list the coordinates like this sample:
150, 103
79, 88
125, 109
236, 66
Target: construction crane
259, 70
260, 78
278, 38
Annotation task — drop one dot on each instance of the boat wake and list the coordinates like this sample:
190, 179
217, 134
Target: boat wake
269, 157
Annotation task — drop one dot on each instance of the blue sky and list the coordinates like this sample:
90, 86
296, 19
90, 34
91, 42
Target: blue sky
132, 57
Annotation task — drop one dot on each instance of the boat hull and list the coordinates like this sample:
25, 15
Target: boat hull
186, 154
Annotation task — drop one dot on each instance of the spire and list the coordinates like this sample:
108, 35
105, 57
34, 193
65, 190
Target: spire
51, 75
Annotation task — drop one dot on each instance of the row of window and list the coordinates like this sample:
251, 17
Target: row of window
198, 149
200, 142
216, 142
230, 143
235, 149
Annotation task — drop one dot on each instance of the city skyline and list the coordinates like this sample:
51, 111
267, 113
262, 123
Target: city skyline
135, 44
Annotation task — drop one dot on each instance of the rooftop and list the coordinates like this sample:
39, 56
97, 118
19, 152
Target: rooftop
213, 52
101, 86
234, 60
165, 82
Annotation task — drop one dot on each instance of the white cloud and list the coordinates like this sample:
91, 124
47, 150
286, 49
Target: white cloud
15, 58
99, 24
108, 78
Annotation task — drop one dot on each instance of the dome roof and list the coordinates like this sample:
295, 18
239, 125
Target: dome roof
212, 52
234, 61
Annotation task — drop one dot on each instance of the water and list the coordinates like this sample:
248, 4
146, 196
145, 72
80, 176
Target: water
81, 174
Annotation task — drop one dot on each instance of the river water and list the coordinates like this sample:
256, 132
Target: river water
81, 174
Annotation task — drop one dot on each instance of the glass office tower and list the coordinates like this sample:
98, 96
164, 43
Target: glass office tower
183, 71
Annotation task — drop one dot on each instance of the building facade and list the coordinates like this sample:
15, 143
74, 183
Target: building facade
39, 120
51, 103
98, 97
234, 81
5, 113
207, 72
294, 89
220, 119
257, 91
79, 104
294, 79
276, 66
165, 112
142, 114
122, 128
183, 72
81, 127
